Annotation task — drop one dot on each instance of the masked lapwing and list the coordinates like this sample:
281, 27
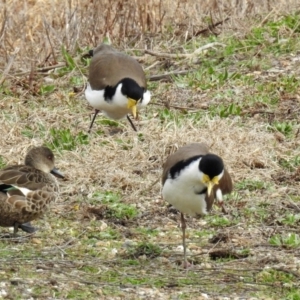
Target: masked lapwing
26, 191
117, 84
192, 179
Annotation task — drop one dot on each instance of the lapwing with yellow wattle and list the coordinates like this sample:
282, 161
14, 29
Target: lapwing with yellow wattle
192, 179
117, 84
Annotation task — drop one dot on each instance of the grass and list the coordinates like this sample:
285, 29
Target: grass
250, 185
114, 208
145, 249
111, 235
63, 139
2, 162
290, 240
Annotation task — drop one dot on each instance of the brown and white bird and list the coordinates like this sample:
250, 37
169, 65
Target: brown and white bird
117, 84
192, 179
27, 190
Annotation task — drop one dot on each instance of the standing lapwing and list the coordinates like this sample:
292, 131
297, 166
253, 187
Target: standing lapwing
117, 84
192, 179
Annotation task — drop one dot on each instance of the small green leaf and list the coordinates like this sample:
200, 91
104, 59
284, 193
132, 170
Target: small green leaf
46, 89
106, 40
69, 60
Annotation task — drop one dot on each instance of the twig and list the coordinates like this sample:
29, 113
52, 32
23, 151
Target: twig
187, 55
48, 37
258, 111
4, 22
190, 110
44, 69
9, 64
293, 205
168, 106
266, 18
210, 27
288, 271
167, 75
205, 47
152, 185
153, 65
18, 239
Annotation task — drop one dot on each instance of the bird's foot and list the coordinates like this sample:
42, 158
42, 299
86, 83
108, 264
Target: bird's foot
27, 227
186, 264
222, 206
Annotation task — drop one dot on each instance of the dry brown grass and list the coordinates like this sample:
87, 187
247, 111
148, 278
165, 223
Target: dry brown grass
90, 164
40, 28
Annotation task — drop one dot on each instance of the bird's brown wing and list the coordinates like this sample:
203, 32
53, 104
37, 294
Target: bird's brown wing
183, 153
23, 176
107, 68
225, 185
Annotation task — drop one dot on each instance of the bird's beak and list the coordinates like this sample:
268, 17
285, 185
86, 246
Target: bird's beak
56, 173
209, 187
132, 104
211, 184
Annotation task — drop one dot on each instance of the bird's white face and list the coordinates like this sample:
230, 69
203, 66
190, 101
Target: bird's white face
211, 182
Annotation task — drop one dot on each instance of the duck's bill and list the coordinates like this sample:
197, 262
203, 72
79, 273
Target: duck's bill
57, 173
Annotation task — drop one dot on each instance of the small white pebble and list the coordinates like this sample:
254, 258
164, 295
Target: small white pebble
114, 251
128, 243
103, 226
48, 79
202, 222
180, 249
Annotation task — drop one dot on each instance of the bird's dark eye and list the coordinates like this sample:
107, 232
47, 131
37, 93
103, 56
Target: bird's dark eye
50, 157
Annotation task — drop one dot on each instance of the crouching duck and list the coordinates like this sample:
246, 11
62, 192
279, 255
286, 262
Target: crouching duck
27, 190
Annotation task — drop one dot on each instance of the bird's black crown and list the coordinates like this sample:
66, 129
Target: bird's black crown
211, 165
131, 89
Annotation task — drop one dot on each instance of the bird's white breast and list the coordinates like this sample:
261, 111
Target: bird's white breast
146, 98
183, 191
116, 108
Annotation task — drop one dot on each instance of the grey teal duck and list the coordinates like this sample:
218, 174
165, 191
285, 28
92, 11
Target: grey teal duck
27, 190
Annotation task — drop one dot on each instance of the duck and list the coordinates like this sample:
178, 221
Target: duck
116, 84
192, 179
27, 190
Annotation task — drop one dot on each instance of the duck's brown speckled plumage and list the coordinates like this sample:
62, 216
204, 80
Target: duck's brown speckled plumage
18, 205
